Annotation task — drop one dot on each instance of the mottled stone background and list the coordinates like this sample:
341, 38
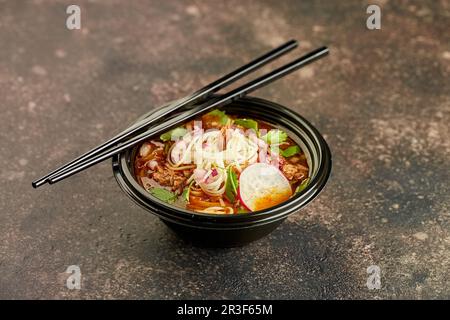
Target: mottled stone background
381, 99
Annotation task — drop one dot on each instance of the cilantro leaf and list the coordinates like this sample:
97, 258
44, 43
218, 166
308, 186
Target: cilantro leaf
221, 116
163, 194
247, 123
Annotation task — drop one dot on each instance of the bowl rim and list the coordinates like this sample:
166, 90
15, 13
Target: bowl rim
127, 182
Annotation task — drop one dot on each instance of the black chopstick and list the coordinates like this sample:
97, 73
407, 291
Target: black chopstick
196, 97
222, 100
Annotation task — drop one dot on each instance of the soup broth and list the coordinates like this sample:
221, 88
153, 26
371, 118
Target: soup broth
222, 164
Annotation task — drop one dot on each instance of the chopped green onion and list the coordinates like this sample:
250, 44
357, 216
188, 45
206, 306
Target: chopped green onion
302, 185
231, 185
187, 191
173, 134
275, 136
289, 152
185, 195
242, 210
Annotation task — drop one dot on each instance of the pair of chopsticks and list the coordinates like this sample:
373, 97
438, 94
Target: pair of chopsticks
197, 103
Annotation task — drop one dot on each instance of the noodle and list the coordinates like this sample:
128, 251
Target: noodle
204, 166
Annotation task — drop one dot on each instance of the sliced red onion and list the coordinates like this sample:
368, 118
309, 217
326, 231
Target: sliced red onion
152, 164
199, 174
275, 160
145, 149
157, 143
177, 151
261, 143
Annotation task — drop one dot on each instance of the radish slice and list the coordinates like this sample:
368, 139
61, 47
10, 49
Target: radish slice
262, 186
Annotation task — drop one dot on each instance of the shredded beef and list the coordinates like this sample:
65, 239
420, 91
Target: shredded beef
294, 172
170, 178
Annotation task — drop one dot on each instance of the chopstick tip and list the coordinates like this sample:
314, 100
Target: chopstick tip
38, 183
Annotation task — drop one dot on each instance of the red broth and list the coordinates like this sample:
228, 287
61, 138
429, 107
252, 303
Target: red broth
198, 166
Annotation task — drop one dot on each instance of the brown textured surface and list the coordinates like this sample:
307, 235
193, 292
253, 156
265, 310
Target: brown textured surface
381, 99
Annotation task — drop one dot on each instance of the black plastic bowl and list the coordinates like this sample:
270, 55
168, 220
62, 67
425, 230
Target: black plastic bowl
237, 229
